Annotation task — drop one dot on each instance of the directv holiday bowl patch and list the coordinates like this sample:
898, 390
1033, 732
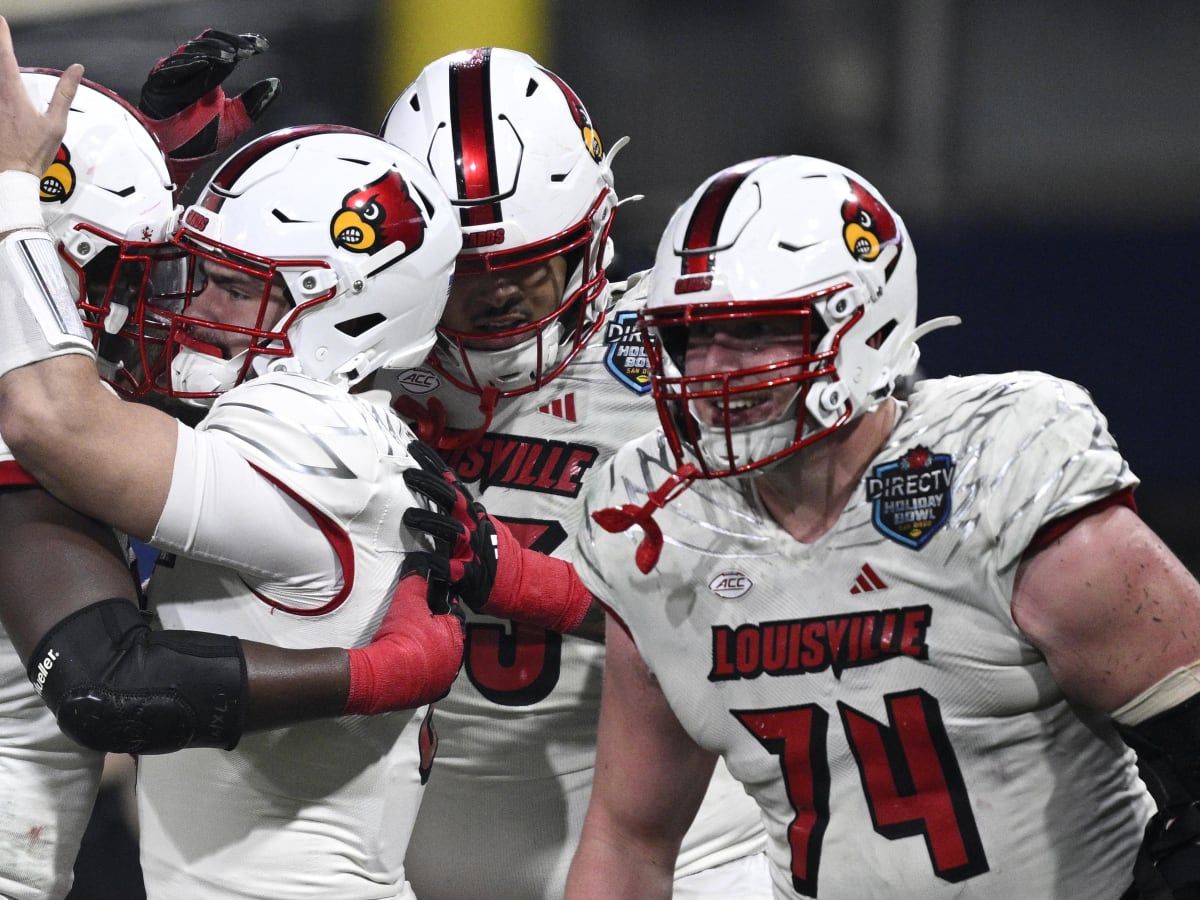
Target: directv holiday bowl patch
911, 496
626, 357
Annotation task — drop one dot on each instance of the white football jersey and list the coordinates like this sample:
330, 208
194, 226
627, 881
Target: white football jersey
48, 783
517, 734
870, 688
321, 809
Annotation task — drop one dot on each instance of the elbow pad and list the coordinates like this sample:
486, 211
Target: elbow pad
116, 685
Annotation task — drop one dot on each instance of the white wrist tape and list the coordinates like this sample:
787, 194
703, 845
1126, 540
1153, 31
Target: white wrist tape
38, 315
20, 206
1164, 694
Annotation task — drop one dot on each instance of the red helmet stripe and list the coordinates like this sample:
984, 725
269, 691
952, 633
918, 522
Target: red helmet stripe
474, 142
705, 224
578, 110
235, 167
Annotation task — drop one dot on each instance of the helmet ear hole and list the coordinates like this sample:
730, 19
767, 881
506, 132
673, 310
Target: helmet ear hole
360, 324
877, 340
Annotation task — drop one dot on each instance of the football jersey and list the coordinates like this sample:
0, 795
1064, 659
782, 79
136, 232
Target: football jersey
517, 733
321, 809
48, 783
870, 689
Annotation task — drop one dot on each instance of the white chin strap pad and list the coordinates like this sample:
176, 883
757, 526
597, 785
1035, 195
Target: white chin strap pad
38, 316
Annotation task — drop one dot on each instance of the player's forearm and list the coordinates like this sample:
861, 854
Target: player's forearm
609, 867
284, 686
106, 458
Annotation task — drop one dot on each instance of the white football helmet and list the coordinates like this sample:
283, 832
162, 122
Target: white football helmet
514, 148
815, 277
353, 233
107, 201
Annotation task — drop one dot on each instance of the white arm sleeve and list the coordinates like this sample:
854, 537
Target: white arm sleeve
220, 510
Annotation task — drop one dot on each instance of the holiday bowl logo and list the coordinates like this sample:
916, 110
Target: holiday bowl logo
626, 357
911, 496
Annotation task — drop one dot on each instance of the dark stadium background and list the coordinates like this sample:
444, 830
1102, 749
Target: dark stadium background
1045, 156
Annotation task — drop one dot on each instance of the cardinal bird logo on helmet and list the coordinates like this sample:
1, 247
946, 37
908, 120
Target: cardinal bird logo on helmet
869, 224
58, 182
378, 215
591, 139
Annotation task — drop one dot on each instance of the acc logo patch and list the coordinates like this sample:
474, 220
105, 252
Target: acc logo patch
911, 496
418, 381
626, 358
730, 585
378, 215
57, 183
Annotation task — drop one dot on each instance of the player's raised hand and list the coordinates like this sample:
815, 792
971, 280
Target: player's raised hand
186, 106
29, 137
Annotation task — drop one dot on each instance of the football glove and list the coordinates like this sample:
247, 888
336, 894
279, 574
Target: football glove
187, 109
480, 559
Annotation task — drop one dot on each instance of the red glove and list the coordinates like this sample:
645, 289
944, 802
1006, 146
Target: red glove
185, 107
483, 563
414, 656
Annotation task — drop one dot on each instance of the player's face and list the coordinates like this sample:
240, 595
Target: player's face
504, 300
718, 348
234, 298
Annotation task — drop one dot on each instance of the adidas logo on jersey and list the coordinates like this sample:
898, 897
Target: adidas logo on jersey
867, 581
560, 407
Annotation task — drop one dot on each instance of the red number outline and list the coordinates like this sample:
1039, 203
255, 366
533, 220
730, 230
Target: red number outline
909, 773
516, 664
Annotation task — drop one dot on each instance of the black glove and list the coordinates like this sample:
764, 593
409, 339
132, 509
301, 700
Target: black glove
186, 107
463, 532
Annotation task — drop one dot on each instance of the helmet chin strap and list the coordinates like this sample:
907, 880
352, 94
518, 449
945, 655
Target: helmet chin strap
453, 440
622, 518
430, 421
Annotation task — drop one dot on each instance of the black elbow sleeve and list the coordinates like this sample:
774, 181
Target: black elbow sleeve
116, 685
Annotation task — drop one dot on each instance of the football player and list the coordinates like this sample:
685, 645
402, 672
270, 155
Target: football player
537, 377
320, 254
106, 196
907, 627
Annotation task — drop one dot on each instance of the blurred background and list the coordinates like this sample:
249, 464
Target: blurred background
1046, 157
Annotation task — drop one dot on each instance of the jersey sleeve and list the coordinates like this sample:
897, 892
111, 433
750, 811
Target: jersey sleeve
224, 510
1053, 456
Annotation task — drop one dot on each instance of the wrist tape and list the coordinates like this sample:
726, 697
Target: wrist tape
20, 206
38, 316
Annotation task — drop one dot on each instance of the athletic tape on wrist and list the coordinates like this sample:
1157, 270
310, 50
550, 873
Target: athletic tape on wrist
20, 206
38, 315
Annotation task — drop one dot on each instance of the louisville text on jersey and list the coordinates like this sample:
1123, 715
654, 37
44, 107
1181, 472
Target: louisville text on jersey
524, 464
806, 646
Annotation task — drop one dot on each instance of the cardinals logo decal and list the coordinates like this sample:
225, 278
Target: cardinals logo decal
58, 182
579, 113
378, 215
869, 224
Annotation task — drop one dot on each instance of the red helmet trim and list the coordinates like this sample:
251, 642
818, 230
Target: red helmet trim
474, 140
700, 237
235, 167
